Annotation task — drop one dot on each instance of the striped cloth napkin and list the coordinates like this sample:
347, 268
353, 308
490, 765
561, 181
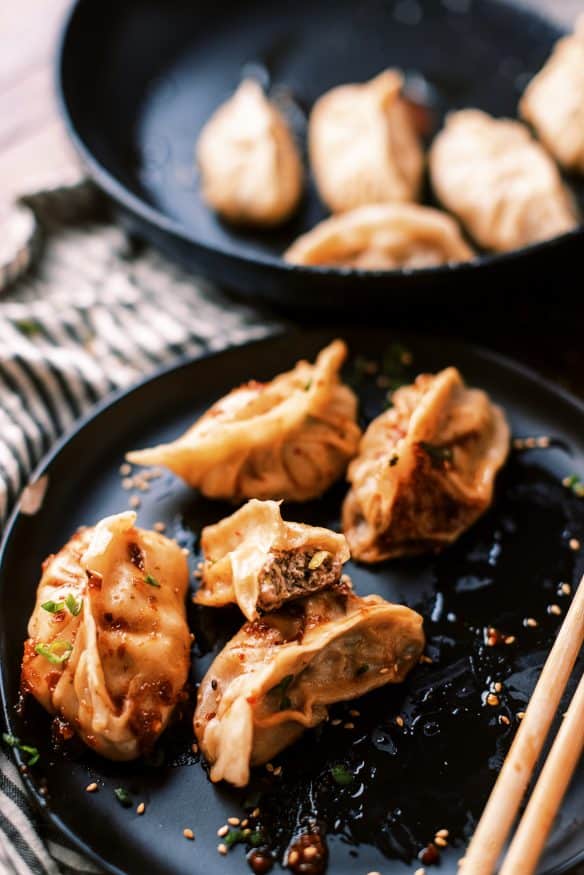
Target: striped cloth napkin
92, 316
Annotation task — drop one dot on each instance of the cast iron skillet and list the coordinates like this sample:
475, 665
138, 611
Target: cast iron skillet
433, 772
138, 79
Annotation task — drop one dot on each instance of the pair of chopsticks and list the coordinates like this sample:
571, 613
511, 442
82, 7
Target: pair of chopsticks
501, 810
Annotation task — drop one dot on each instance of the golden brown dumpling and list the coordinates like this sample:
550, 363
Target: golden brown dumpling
383, 237
554, 101
259, 561
425, 470
289, 438
363, 146
499, 182
108, 647
250, 167
278, 675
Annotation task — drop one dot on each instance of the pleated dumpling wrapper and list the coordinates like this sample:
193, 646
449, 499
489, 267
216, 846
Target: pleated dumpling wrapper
108, 647
259, 561
289, 438
426, 469
553, 101
383, 237
279, 674
250, 167
363, 145
499, 182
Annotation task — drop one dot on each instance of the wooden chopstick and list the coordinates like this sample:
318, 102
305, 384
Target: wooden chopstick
501, 809
546, 798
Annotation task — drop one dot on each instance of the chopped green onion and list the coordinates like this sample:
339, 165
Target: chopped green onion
342, 775
28, 326
123, 797
56, 652
318, 559
439, 456
151, 581
32, 752
73, 606
53, 607
256, 839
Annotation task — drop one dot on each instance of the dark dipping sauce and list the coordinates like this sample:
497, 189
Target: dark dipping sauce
396, 783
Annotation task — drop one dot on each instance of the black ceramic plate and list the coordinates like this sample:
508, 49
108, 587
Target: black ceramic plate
433, 772
139, 79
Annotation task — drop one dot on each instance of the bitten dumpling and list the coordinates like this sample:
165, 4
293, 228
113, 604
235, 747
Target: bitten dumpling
499, 182
277, 676
289, 438
250, 167
108, 647
363, 145
553, 101
383, 237
425, 470
259, 561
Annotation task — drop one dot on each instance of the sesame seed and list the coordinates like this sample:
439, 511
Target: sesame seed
310, 852
492, 700
134, 501
530, 442
554, 609
421, 871
354, 713
293, 858
159, 526
223, 830
566, 481
278, 771
543, 442
141, 808
255, 812
497, 686
510, 639
399, 720
518, 443
233, 821
426, 659
195, 748
442, 843
246, 832
530, 622
349, 726
222, 849
384, 670
574, 544
520, 715
566, 589
188, 834
245, 822
442, 833
336, 722
269, 767
504, 719
125, 469
185, 551
127, 483
91, 788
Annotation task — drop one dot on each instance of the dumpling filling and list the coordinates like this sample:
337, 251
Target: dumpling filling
290, 575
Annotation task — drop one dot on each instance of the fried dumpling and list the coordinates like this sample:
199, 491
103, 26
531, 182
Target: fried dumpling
259, 561
277, 676
289, 438
383, 237
363, 145
250, 167
425, 470
499, 182
553, 101
108, 647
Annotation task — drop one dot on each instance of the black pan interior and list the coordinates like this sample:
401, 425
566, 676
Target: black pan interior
432, 773
140, 78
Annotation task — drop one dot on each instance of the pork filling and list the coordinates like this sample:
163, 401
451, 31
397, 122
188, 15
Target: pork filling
293, 574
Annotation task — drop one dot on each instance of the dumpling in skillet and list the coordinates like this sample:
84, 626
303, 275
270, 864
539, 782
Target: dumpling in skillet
425, 470
279, 674
363, 145
256, 559
289, 438
250, 167
108, 647
383, 237
553, 101
499, 182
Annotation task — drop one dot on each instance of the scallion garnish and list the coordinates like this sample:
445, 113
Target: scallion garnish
123, 797
73, 606
151, 581
342, 775
53, 607
56, 652
32, 752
